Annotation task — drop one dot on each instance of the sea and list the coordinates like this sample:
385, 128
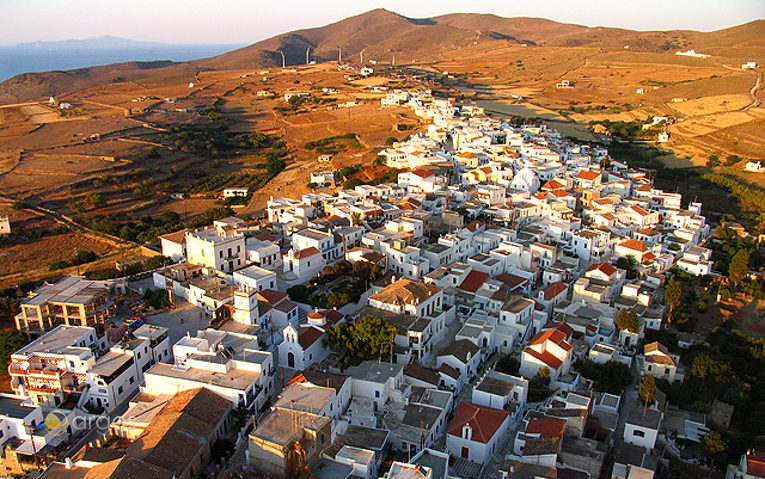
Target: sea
16, 60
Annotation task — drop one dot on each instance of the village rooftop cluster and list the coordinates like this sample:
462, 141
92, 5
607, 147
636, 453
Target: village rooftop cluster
497, 239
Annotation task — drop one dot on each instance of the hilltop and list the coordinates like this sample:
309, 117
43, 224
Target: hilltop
383, 36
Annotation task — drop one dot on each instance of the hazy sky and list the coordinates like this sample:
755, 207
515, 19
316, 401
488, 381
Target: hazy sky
240, 21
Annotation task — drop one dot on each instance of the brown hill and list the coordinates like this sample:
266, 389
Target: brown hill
28, 86
382, 34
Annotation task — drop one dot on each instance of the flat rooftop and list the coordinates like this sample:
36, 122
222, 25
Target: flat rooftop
70, 290
280, 426
11, 407
109, 363
238, 379
305, 398
375, 371
57, 340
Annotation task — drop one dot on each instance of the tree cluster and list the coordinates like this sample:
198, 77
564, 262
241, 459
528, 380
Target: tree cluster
370, 337
628, 319
612, 377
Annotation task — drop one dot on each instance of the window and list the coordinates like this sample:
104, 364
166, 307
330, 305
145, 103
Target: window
221, 253
132, 380
119, 390
638, 433
377, 394
139, 355
71, 364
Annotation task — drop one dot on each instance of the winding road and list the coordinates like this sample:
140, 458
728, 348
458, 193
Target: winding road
753, 93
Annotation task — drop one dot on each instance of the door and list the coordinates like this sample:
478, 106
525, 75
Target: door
465, 452
290, 360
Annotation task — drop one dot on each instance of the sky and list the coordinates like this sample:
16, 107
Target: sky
248, 21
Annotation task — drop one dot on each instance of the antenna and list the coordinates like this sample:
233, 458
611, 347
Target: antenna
284, 62
362, 57
339, 55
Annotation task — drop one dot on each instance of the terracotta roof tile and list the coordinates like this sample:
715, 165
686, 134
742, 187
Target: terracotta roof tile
307, 335
546, 427
473, 281
588, 175
554, 289
307, 252
484, 421
604, 267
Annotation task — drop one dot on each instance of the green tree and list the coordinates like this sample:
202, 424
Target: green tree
628, 320
541, 379
355, 218
352, 183
95, 199
152, 152
10, 342
672, 294
647, 392
298, 293
170, 217
156, 298
508, 365
370, 337
714, 445
156, 262
628, 263
739, 266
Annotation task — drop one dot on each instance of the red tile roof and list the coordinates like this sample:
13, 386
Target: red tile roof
634, 244
546, 357
510, 280
271, 296
266, 237
546, 427
605, 268
755, 463
421, 173
473, 226
473, 281
484, 421
307, 252
588, 175
554, 289
333, 316
639, 210
559, 193
557, 336
553, 185
307, 335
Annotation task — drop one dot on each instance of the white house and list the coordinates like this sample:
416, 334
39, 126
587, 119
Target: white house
220, 247
304, 264
658, 361
549, 348
642, 426
501, 391
302, 345
476, 432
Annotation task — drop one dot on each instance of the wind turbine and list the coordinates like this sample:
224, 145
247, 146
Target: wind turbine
339, 55
284, 62
308, 55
